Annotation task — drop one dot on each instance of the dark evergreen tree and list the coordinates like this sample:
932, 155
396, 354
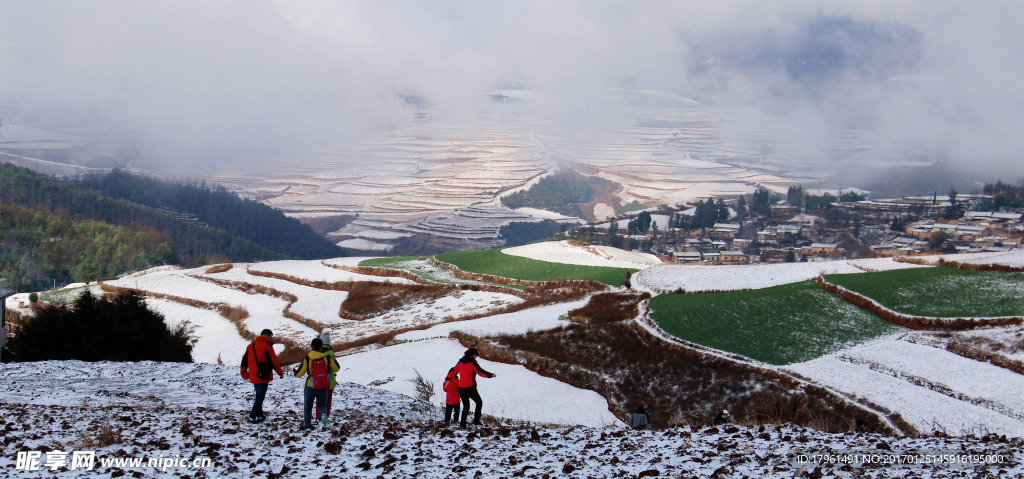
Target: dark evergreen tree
96, 329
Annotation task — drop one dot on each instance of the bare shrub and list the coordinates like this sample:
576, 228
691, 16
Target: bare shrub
103, 435
220, 268
609, 307
424, 390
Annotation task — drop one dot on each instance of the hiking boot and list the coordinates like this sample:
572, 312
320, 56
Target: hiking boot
259, 420
325, 422
307, 431
252, 420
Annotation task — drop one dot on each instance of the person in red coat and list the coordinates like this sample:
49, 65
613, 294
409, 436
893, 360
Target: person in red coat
452, 399
258, 366
468, 370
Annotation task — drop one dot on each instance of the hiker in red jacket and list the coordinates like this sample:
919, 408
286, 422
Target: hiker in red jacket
452, 399
258, 365
468, 369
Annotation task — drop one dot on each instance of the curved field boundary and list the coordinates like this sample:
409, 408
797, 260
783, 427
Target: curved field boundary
249, 288
394, 272
586, 283
999, 268
378, 271
887, 421
934, 386
915, 322
326, 285
972, 352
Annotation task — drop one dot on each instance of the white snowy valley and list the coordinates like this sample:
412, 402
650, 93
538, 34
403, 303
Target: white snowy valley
969, 413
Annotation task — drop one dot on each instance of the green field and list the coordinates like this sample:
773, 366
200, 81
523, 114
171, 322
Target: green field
942, 292
496, 263
780, 325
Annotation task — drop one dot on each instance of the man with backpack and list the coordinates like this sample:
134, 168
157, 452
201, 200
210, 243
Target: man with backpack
318, 365
258, 366
325, 338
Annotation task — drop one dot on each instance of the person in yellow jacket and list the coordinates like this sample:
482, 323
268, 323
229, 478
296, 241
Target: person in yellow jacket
318, 367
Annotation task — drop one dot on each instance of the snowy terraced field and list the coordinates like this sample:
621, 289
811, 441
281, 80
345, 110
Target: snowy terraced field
322, 306
516, 392
462, 303
1013, 258
881, 264
566, 253
884, 373
668, 278
519, 322
264, 311
316, 271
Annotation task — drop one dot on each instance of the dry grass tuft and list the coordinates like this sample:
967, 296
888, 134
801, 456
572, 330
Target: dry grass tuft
220, 268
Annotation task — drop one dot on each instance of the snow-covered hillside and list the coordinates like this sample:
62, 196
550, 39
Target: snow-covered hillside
190, 418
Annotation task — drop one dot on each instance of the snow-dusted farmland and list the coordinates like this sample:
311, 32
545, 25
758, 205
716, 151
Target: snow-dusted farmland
881, 264
566, 253
932, 389
1013, 258
668, 278
316, 271
265, 312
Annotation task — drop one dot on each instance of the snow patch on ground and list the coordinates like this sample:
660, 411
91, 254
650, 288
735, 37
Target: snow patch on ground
566, 253
691, 278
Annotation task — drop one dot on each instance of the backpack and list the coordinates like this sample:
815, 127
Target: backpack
319, 374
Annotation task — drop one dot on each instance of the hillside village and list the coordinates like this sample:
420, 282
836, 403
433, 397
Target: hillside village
908, 226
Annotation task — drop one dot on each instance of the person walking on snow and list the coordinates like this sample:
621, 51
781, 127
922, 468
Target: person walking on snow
452, 399
258, 365
318, 366
468, 370
325, 338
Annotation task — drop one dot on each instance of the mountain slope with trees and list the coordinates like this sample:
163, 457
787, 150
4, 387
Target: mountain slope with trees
25, 254
216, 206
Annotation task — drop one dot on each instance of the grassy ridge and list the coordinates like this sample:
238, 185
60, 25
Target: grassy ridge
940, 291
780, 325
496, 263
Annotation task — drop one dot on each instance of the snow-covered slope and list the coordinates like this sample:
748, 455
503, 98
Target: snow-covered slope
194, 412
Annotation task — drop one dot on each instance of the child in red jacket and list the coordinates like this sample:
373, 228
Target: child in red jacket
452, 399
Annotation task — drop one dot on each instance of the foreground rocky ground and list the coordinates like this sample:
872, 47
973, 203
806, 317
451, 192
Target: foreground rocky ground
370, 445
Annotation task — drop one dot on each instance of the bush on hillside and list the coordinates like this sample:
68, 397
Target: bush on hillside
97, 329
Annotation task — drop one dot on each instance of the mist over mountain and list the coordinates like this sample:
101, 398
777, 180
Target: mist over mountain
237, 85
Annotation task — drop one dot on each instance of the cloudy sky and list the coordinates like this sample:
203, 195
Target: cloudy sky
224, 78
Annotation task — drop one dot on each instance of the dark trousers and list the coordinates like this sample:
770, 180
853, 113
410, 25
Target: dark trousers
330, 399
257, 404
449, 409
308, 395
466, 394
